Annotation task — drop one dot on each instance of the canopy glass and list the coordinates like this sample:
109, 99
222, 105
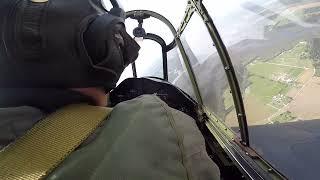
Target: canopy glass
275, 50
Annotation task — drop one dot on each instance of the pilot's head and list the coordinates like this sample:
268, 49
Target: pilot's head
62, 44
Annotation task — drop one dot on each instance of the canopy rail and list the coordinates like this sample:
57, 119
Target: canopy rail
144, 14
197, 6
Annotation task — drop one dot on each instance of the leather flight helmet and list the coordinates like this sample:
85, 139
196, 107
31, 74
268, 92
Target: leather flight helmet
62, 44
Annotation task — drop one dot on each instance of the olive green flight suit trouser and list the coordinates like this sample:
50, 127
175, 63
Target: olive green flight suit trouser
142, 139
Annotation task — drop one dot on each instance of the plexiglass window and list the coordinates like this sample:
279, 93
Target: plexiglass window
209, 72
178, 74
274, 46
149, 62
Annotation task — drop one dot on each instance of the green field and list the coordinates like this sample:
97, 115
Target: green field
283, 20
271, 80
290, 18
264, 89
298, 56
284, 117
271, 71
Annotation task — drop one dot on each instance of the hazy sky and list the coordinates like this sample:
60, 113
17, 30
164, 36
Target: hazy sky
151, 51
233, 20
174, 11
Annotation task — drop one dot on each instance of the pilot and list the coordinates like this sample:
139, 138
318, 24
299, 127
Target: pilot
58, 62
